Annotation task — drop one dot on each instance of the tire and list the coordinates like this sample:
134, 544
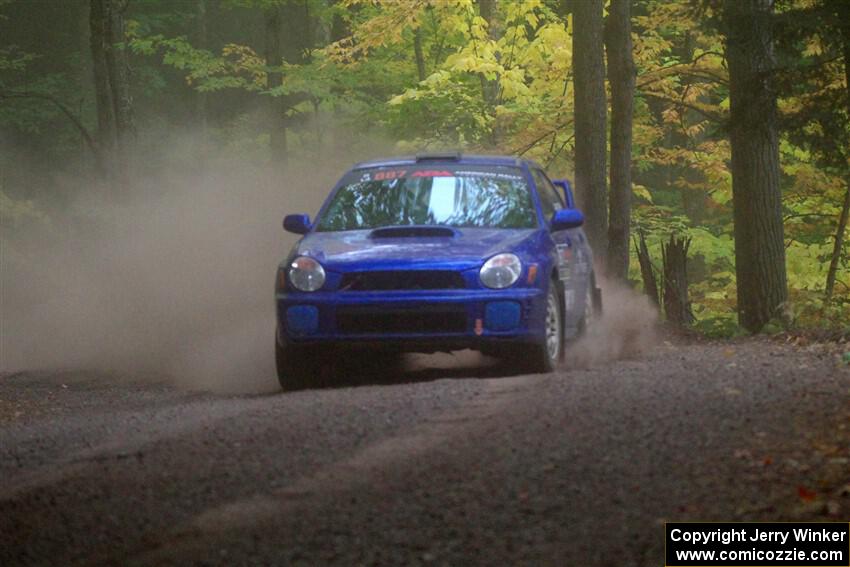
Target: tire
544, 356
297, 368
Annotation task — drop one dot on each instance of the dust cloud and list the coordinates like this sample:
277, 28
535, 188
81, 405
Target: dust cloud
627, 328
170, 278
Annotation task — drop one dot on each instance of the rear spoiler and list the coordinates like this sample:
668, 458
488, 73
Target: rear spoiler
438, 156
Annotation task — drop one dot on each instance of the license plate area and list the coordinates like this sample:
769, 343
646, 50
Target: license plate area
401, 321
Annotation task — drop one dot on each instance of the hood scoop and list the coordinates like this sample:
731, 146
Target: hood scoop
413, 232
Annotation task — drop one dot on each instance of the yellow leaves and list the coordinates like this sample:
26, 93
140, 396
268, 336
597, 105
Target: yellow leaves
386, 27
436, 82
477, 28
642, 192
682, 89
814, 47
529, 72
241, 52
549, 55
513, 84
483, 63
553, 38
805, 264
522, 10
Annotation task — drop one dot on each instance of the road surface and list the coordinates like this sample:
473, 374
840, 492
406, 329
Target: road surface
445, 466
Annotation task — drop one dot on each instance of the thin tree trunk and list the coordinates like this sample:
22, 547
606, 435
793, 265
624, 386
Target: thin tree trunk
202, 42
490, 87
99, 24
274, 109
296, 46
83, 36
119, 73
84, 69
838, 244
111, 81
759, 236
621, 76
591, 115
417, 52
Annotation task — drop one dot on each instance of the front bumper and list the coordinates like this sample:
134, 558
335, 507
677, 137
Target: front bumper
427, 320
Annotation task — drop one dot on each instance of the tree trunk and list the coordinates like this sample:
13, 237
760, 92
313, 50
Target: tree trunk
84, 69
756, 196
590, 119
650, 285
621, 76
119, 74
274, 79
339, 27
674, 259
297, 45
838, 244
417, 52
99, 24
111, 81
490, 87
297, 41
202, 42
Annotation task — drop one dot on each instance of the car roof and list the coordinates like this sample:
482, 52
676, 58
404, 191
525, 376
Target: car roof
446, 158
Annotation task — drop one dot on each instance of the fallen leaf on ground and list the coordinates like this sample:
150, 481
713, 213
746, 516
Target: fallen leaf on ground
805, 494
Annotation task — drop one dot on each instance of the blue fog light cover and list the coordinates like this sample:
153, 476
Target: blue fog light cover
302, 319
502, 315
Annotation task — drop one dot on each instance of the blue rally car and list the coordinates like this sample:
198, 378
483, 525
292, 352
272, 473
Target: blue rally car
436, 253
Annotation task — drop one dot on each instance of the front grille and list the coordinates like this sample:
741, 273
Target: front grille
402, 280
365, 321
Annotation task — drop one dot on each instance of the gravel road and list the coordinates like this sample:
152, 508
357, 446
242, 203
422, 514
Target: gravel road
442, 466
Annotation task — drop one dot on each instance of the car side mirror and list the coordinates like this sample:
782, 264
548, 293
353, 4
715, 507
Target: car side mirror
567, 188
296, 224
567, 218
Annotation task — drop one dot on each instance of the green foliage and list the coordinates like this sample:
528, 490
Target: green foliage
13, 59
15, 212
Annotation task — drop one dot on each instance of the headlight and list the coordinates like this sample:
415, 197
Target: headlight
501, 271
306, 274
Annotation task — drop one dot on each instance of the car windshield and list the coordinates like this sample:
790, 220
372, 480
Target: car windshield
457, 196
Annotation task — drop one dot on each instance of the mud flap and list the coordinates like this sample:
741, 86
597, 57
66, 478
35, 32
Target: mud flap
571, 330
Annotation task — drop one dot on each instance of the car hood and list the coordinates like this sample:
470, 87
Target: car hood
467, 248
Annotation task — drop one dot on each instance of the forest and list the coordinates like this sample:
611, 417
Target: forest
719, 129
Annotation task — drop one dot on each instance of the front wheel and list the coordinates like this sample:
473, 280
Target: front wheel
544, 356
297, 368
